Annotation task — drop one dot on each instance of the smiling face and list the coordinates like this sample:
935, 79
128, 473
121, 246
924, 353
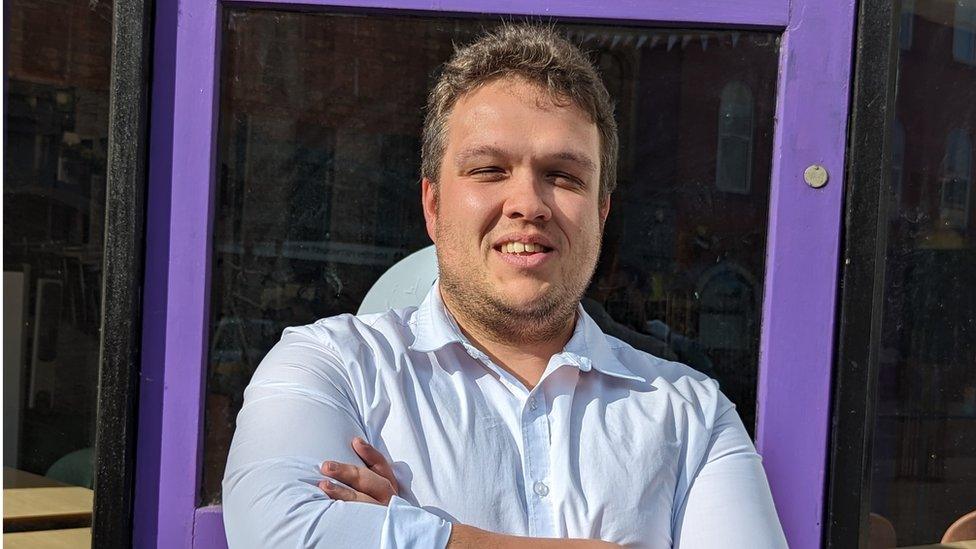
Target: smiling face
516, 215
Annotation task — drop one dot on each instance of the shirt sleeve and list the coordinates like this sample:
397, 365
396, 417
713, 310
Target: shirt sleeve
298, 412
728, 503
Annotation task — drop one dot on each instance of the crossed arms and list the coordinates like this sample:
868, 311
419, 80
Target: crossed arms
300, 409
374, 483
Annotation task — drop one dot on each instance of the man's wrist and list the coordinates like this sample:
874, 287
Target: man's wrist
466, 537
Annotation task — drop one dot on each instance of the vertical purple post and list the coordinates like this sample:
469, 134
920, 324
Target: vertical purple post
175, 321
796, 350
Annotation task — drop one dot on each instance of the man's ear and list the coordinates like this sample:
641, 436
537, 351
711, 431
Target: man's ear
428, 197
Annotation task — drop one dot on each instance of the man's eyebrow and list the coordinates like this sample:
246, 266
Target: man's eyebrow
581, 160
465, 155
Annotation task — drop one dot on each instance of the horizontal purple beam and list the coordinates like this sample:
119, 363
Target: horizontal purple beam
764, 13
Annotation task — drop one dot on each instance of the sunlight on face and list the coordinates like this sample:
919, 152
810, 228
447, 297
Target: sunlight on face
516, 215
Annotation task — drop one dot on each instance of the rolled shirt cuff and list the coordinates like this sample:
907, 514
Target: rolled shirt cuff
410, 527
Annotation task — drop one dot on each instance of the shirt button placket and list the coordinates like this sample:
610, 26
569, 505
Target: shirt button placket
535, 437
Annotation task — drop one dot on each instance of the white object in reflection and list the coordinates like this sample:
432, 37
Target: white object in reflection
405, 284
16, 291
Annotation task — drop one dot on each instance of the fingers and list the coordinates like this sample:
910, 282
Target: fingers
375, 461
360, 479
342, 493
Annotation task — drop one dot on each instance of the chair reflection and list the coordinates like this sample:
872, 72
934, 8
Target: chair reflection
964, 529
881, 533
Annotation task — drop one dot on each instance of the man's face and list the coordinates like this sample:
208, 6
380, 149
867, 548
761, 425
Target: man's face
516, 215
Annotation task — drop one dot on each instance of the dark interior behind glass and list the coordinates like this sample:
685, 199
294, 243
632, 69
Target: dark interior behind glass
924, 457
56, 103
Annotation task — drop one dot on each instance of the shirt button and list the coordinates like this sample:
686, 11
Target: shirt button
533, 403
541, 489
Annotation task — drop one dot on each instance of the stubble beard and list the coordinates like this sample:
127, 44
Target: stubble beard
479, 309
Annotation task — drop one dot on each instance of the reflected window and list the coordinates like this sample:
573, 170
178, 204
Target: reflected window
728, 311
907, 28
733, 171
964, 32
957, 179
897, 167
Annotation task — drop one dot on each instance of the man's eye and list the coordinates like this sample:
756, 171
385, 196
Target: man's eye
486, 171
565, 179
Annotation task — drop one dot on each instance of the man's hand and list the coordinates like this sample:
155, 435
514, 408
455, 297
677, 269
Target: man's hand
374, 483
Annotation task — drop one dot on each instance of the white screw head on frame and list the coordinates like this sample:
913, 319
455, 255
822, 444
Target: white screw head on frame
816, 176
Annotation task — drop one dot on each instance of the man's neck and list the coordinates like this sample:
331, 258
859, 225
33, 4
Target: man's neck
526, 360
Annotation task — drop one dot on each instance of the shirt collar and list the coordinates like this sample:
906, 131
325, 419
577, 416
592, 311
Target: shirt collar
432, 325
587, 349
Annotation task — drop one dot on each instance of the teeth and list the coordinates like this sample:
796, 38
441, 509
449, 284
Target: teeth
519, 247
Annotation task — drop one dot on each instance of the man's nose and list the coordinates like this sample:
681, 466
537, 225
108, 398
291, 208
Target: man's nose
527, 197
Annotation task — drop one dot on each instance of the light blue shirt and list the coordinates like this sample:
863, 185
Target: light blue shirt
612, 444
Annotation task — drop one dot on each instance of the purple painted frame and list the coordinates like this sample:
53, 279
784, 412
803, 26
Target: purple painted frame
801, 268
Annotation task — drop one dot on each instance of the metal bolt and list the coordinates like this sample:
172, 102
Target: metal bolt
816, 176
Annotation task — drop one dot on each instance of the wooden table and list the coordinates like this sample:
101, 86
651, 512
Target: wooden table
74, 538
15, 478
971, 544
33, 502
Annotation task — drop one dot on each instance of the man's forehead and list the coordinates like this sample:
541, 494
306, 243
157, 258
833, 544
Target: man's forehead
513, 87
495, 119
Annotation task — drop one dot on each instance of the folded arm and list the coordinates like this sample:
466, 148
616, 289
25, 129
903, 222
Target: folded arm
298, 410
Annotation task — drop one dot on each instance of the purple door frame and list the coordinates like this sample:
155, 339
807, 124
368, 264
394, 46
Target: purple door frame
801, 264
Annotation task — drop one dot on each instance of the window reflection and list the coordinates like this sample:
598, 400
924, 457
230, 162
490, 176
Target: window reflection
964, 32
735, 134
924, 467
319, 191
897, 168
957, 179
56, 78
907, 24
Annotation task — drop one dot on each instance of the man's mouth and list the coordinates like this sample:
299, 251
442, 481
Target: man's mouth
522, 248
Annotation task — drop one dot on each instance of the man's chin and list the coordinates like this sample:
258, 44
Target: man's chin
529, 306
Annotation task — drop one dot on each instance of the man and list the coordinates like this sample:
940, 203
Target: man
510, 419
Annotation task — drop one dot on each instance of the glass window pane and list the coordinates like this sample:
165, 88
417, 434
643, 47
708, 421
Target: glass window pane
319, 161
964, 32
57, 61
924, 463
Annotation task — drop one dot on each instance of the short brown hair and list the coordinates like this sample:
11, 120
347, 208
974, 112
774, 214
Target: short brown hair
538, 54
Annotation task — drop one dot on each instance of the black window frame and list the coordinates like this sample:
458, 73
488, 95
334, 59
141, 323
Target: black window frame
123, 267
858, 326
